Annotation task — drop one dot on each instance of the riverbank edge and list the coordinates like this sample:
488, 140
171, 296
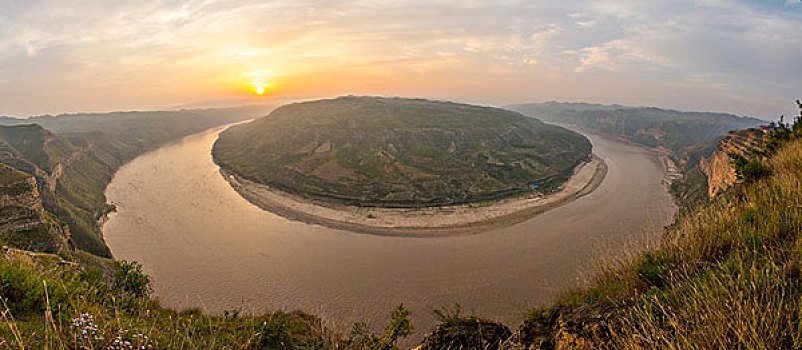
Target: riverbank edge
255, 194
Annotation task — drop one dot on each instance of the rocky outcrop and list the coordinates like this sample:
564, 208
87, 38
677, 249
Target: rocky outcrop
22, 192
719, 168
24, 223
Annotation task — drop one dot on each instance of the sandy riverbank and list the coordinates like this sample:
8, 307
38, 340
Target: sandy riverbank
445, 220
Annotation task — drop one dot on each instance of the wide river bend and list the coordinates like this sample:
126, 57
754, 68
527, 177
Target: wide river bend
207, 247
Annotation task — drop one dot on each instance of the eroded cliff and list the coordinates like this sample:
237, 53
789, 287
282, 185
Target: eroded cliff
719, 167
24, 223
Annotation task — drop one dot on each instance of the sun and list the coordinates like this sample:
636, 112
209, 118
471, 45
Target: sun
259, 88
258, 81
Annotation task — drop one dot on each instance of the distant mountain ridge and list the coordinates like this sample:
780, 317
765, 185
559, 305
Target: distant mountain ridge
138, 126
650, 126
686, 137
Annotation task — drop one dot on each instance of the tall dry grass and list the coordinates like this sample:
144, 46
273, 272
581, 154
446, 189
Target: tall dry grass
726, 276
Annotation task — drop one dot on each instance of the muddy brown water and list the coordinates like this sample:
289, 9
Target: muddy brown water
207, 247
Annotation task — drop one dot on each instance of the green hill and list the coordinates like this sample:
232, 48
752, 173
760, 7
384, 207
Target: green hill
373, 151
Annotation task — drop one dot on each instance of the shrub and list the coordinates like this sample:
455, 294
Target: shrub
651, 270
20, 289
754, 170
129, 279
399, 326
25, 291
749, 170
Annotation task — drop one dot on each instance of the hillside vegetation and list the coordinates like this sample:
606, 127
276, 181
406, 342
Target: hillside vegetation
74, 157
372, 151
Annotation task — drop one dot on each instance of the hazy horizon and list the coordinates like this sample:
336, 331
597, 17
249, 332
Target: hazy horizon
202, 105
713, 55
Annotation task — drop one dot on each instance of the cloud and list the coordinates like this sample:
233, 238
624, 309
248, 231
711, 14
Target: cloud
170, 53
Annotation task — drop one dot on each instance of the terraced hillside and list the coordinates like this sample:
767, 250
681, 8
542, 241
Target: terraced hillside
24, 223
372, 151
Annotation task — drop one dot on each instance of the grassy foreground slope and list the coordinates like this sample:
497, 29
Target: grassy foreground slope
96, 303
75, 156
373, 151
725, 275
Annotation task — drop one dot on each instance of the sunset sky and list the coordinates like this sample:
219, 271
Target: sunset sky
58, 56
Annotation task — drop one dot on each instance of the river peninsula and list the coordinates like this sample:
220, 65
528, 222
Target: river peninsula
396, 166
